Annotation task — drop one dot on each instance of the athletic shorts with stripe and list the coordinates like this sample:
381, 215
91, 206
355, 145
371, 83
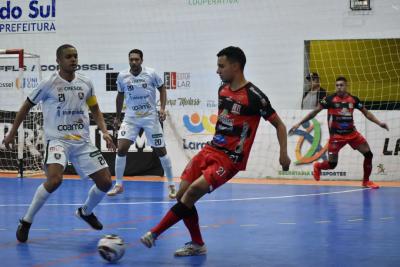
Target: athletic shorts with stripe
213, 164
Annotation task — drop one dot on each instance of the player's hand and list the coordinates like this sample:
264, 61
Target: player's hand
384, 126
9, 140
284, 160
162, 115
116, 124
110, 144
294, 128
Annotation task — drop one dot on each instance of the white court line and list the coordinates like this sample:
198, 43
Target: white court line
81, 229
1, 229
290, 223
356, 220
386, 218
40, 229
174, 227
126, 228
322, 221
200, 201
248, 225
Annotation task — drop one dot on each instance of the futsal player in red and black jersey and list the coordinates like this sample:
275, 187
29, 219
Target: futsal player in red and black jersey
342, 131
240, 107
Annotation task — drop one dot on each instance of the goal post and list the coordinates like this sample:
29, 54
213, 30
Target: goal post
20, 73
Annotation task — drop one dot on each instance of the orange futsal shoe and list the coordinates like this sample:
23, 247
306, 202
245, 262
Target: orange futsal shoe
316, 172
370, 184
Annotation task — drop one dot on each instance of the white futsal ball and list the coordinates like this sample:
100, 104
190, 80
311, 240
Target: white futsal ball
111, 248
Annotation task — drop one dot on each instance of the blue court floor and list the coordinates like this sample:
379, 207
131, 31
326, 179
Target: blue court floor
242, 225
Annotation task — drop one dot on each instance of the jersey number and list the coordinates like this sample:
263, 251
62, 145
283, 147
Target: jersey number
61, 98
101, 160
157, 142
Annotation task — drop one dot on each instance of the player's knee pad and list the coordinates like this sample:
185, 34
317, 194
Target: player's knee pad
368, 155
332, 164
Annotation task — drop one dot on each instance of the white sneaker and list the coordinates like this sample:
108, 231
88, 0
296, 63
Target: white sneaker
172, 191
148, 239
191, 249
118, 189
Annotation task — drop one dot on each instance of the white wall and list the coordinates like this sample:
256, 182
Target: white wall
177, 35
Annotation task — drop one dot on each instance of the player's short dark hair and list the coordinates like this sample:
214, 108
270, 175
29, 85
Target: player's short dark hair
234, 54
136, 51
61, 49
341, 78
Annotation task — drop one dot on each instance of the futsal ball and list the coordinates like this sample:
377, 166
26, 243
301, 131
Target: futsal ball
111, 248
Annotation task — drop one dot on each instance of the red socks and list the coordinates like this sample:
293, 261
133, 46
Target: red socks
323, 165
367, 168
178, 212
192, 224
169, 219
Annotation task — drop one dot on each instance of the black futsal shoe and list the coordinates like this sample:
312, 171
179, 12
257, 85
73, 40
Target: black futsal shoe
23, 231
91, 219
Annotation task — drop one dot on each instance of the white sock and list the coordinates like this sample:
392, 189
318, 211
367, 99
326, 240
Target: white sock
40, 197
120, 163
167, 166
94, 198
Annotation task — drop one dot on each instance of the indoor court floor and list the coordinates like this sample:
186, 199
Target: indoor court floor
242, 225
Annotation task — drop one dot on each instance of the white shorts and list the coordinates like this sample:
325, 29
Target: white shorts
85, 157
130, 128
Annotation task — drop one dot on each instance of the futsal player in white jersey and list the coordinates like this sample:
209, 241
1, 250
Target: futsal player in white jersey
138, 85
66, 98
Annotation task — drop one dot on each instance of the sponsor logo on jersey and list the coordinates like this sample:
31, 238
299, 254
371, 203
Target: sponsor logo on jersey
57, 156
68, 112
70, 127
141, 107
73, 88
81, 95
73, 112
224, 119
236, 108
219, 139
57, 148
139, 97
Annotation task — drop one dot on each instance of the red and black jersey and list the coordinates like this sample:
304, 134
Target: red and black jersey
340, 113
239, 114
